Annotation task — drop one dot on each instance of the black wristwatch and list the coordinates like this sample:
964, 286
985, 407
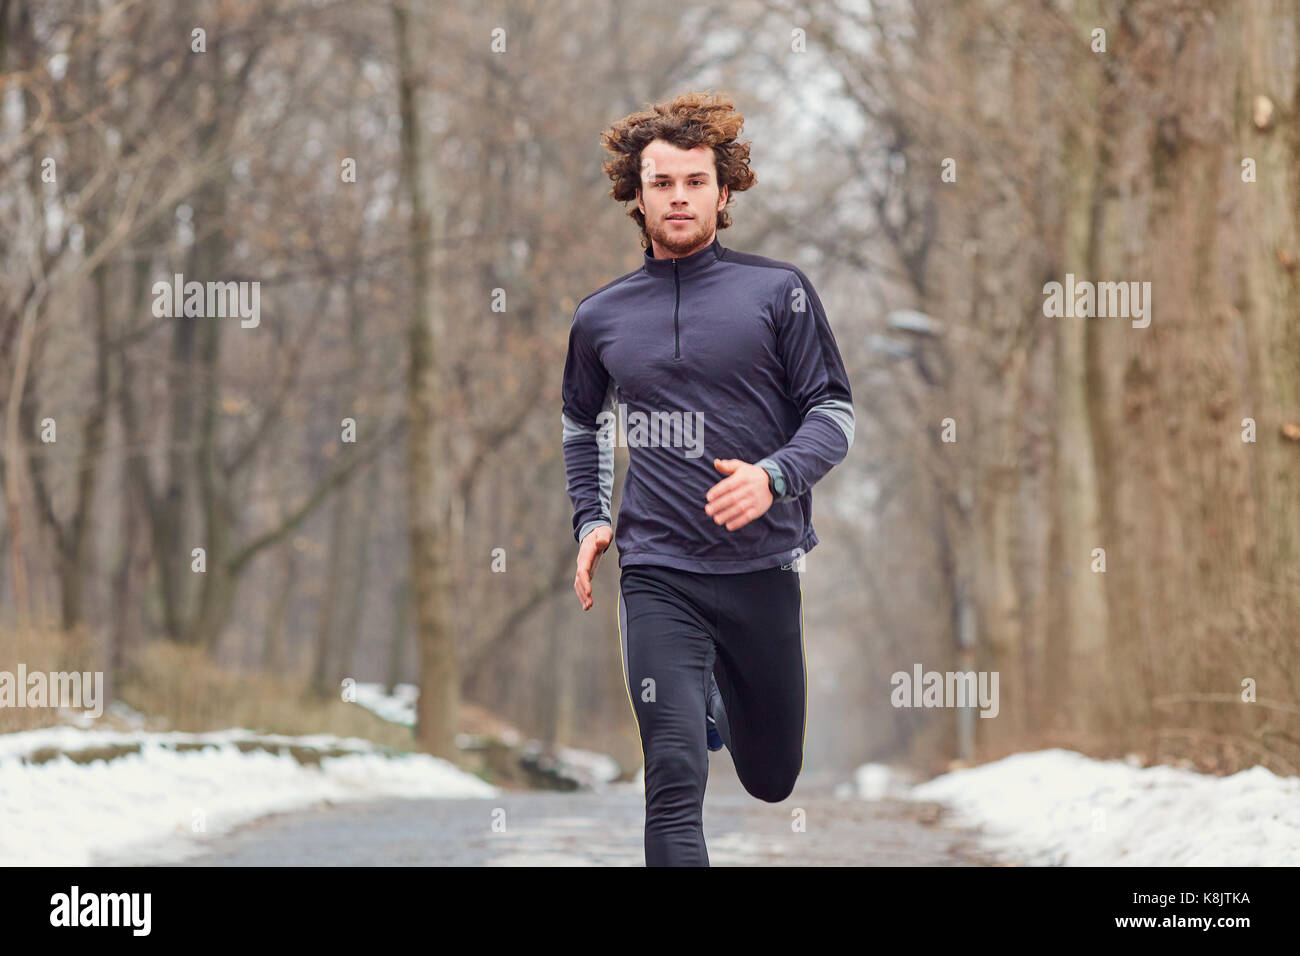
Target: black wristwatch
775, 480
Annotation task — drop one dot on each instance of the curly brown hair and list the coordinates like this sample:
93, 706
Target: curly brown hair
686, 121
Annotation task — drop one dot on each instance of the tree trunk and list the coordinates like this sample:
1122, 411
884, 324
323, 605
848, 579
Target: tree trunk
439, 701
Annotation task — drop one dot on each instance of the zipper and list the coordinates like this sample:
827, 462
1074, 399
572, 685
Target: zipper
677, 298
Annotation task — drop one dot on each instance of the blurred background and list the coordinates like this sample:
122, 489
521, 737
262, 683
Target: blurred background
417, 189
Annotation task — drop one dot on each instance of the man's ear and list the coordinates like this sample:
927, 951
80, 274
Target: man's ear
722, 197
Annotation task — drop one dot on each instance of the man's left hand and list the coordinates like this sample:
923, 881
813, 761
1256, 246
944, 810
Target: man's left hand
739, 498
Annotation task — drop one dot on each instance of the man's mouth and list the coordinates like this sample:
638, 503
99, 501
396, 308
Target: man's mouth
679, 216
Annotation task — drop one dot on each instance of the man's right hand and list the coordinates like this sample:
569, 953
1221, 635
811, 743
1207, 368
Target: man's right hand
593, 546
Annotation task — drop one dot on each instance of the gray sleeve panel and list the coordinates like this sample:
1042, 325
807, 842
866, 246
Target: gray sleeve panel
841, 412
605, 453
586, 528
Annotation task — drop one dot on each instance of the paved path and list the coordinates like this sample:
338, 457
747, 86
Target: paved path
601, 829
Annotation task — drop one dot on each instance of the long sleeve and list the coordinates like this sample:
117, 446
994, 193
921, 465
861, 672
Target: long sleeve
819, 388
588, 463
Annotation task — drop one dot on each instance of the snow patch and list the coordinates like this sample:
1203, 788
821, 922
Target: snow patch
1061, 808
164, 804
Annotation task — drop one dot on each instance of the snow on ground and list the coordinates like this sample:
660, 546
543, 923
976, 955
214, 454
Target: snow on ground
150, 806
398, 707
1058, 807
162, 802
585, 767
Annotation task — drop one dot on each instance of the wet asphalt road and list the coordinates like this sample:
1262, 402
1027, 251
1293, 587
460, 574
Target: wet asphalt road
600, 829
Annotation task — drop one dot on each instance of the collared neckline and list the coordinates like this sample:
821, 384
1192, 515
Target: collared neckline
686, 265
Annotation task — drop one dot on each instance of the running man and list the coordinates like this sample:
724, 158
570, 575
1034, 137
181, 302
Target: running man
717, 369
